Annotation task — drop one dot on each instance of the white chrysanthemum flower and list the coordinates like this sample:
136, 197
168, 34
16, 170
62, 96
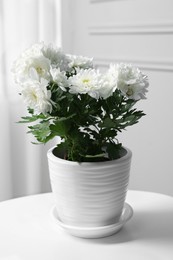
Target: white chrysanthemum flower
41, 65
108, 85
57, 58
36, 96
33, 50
26, 63
130, 80
59, 78
85, 82
80, 62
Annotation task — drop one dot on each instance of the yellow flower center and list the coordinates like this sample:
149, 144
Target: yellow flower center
34, 95
85, 81
39, 70
129, 92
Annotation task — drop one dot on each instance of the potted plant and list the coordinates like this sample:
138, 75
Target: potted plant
67, 96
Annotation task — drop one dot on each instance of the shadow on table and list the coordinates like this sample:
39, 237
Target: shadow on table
146, 226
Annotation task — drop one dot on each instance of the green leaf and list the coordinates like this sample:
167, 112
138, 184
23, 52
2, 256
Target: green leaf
60, 128
113, 150
29, 119
108, 123
41, 132
94, 158
129, 104
30, 110
106, 133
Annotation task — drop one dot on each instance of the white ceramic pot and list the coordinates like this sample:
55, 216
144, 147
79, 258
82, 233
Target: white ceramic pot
89, 194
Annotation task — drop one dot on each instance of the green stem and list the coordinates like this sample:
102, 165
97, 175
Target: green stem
94, 156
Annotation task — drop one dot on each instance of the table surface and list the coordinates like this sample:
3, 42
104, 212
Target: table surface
28, 232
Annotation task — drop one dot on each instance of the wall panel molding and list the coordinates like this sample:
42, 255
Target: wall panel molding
137, 28
101, 1
165, 66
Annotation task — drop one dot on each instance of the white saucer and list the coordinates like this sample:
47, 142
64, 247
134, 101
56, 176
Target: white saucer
94, 232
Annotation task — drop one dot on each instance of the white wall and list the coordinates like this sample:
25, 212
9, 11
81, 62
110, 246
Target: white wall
139, 32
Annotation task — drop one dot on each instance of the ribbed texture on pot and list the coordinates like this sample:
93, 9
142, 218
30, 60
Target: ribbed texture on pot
89, 194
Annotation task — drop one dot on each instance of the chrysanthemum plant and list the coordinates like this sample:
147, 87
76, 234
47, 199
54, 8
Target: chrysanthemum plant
67, 97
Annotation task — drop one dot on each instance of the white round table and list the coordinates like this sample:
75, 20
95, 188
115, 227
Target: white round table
28, 233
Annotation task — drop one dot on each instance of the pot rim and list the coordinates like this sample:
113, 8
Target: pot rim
54, 158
